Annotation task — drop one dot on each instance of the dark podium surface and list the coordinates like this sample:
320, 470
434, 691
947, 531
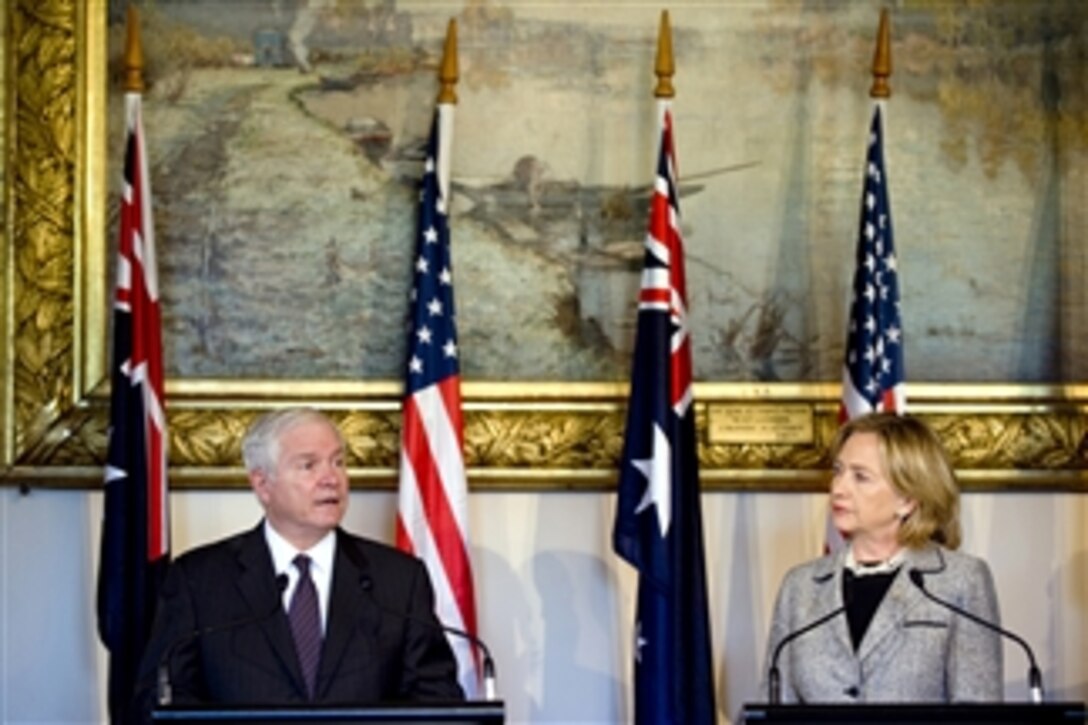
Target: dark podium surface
466, 713
975, 713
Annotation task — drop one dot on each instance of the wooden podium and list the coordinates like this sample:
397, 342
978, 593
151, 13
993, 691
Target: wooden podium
974, 713
463, 713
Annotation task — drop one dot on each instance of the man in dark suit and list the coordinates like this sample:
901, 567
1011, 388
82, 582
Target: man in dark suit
296, 610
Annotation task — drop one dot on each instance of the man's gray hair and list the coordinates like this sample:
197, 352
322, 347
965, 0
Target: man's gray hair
260, 447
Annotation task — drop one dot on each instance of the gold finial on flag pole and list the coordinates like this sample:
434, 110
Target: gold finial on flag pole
882, 59
447, 72
134, 54
663, 66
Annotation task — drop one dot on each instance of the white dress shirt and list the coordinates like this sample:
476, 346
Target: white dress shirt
321, 557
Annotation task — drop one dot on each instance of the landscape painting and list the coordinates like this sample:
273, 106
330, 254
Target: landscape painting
286, 137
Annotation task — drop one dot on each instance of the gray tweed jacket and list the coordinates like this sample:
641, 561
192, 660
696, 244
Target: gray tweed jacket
914, 649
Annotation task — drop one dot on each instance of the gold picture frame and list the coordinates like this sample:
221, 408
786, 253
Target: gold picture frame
517, 435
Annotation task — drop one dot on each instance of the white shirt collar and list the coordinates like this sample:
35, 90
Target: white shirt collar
284, 552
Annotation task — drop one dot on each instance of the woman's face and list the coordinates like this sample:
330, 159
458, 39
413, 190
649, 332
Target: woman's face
864, 506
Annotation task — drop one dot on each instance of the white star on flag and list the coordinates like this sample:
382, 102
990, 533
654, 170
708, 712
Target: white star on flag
658, 472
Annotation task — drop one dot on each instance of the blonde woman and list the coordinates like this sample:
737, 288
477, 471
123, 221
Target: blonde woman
895, 499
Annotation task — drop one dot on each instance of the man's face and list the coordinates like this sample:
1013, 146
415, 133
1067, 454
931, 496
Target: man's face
306, 495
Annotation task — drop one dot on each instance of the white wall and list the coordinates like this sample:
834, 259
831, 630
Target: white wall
555, 603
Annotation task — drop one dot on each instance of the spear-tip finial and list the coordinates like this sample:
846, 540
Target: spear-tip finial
134, 54
663, 66
447, 72
882, 59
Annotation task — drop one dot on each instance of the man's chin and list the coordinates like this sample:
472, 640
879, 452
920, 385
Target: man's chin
329, 517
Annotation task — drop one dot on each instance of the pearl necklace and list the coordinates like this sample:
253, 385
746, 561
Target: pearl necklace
881, 567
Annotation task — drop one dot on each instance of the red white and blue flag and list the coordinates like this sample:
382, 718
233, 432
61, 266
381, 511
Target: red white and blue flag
873, 377
658, 527
135, 546
432, 516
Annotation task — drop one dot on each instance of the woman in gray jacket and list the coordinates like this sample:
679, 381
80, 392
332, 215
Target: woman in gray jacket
895, 499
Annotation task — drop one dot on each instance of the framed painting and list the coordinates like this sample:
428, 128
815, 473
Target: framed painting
284, 141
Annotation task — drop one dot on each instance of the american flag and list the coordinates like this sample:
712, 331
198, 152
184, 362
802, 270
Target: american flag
135, 546
432, 517
873, 377
658, 527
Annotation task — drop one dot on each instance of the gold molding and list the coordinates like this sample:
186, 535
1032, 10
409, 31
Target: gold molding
517, 435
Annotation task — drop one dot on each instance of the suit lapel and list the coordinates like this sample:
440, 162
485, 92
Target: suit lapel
901, 598
352, 611
827, 579
257, 585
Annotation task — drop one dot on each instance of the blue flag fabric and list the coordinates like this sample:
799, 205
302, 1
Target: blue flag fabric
658, 527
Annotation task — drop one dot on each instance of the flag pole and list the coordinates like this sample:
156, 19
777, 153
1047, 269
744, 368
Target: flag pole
134, 52
658, 524
873, 376
135, 536
432, 506
876, 215
663, 65
882, 59
446, 103
664, 69
880, 90
447, 70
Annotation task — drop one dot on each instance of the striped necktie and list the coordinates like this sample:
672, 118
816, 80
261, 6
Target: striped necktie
306, 623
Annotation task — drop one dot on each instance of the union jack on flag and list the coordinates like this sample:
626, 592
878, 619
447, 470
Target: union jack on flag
873, 375
432, 515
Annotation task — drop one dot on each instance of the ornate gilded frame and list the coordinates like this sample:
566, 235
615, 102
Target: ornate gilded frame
518, 435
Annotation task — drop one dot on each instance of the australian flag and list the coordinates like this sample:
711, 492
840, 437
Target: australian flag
135, 533
873, 376
658, 527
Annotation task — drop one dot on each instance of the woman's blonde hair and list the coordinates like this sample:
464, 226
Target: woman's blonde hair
917, 467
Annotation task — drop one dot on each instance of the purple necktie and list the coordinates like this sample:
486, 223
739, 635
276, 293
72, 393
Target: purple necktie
306, 623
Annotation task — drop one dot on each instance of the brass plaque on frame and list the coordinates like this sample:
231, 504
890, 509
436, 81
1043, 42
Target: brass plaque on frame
761, 423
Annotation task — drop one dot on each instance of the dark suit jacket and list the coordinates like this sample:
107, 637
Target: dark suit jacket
221, 628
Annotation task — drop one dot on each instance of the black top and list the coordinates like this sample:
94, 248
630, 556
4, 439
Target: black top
863, 595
